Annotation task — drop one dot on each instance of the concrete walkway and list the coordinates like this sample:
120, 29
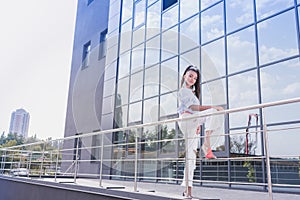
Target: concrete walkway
173, 191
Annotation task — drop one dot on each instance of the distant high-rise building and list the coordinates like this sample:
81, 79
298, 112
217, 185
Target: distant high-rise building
19, 122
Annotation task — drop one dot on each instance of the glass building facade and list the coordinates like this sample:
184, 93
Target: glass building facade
247, 52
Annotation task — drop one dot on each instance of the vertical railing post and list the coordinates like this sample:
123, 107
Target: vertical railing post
3, 161
269, 177
135, 163
186, 164
56, 164
29, 164
101, 160
12, 160
76, 159
42, 162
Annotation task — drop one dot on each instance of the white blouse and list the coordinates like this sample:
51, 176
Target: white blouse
186, 98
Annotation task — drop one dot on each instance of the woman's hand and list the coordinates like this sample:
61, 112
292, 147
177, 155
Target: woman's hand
218, 108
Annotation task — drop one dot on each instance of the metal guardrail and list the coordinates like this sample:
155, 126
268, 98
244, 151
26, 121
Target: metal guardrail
52, 157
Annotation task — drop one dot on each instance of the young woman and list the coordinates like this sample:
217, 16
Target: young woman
189, 104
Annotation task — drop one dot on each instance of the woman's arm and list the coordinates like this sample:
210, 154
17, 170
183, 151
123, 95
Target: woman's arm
201, 108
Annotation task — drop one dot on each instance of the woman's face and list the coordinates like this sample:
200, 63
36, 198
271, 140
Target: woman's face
190, 78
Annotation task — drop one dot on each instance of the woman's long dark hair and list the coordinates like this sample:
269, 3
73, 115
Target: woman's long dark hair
197, 83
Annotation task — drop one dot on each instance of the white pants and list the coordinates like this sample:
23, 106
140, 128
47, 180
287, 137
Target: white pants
189, 130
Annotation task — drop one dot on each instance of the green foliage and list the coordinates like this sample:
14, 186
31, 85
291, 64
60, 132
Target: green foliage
251, 171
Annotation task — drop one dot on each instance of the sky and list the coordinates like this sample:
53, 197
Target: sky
36, 51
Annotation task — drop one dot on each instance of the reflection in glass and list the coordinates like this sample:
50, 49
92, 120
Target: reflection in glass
170, 18
169, 43
241, 50
137, 61
214, 93
126, 10
121, 116
270, 7
213, 60
135, 112
239, 143
124, 64
207, 3
189, 34
212, 23
287, 140
280, 82
152, 51
108, 88
169, 75
277, 39
189, 58
238, 14
151, 85
149, 142
123, 89
153, 19
125, 37
168, 104
168, 133
136, 87
139, 14
150, 110
188, 8
242, 89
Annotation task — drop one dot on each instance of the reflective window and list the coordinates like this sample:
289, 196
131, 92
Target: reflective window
112, 39
151, 85
277, 38
189, 34
169, 75
242, 90
124, 64
125, 36
189, 58
270, 7
168, 104
136, 86
238, 14
151, 107
169, 43
114, 23
86, 55
170, 17
167, 132
103, 44
168, 3
108, 104
149, 150
110, 71
279, 82
120, 116
153, 19
214, 93
152, 1
288, 138
207, 3
137, 58
114, 8
139, 14
126, 10
138, 36
152, 51
188, 8
212, 23
135, 112
109, 88
213, 60
241, 50
123, 90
